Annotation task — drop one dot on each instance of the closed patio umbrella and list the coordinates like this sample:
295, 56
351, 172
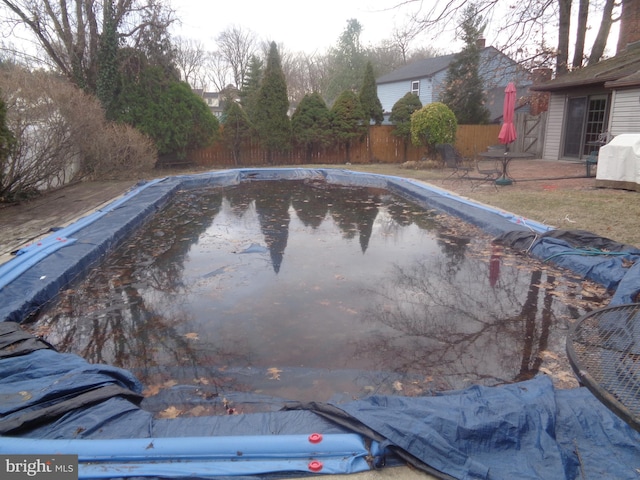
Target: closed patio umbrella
508, 131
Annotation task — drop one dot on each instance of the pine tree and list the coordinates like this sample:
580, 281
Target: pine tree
251, 86
369, 100
464, 87
272, 104
346, 62
311, 124
237, 129
401, 117
348, 120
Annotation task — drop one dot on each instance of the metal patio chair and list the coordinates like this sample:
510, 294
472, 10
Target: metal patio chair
454, 161
489, 171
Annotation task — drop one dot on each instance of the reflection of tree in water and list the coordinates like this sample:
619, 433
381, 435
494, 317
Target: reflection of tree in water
447, 323
127, 311
273, 215
311, 204
354, 211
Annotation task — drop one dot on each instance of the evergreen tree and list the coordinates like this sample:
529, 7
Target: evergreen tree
401, 117
348, 120
168, 111
251, 86
369, 100
237, 128
464, 87
311, 124
272, 104
107, 81
346, 62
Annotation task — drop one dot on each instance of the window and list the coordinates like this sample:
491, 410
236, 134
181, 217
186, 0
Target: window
415, 87
586, 119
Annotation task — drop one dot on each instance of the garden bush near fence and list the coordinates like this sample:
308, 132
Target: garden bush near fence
61, 136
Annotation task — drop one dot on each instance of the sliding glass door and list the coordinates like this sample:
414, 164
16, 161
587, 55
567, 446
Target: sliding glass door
586, 119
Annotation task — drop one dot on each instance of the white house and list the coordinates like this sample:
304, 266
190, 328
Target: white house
426, 79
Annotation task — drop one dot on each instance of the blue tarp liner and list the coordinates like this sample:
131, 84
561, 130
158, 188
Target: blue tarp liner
526, 430
614, 265
54, 402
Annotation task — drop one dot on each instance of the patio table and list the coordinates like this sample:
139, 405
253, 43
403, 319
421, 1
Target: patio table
505, 157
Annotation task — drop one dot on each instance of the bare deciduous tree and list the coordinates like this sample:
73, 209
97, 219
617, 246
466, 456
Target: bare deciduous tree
218, 71
69, 30
191, 60
237, 46
527, 23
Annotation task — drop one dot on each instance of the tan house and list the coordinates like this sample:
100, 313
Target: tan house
600, 100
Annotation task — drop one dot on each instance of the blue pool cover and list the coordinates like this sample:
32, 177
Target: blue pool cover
58, 403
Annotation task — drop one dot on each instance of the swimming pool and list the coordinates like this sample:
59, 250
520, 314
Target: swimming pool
304, 290
509, 315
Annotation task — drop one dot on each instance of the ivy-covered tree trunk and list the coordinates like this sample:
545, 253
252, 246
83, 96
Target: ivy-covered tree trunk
107, 81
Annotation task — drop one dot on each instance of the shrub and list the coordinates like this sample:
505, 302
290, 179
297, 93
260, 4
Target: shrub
401, 117
348, 120
61, 135
433, 124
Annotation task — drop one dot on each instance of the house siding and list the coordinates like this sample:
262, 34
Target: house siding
390, 93
555, 124
624, 116
497, 70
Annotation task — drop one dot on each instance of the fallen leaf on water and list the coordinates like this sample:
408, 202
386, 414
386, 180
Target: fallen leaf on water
274, 373
197, 411
151, 390
25, 395
546, 354
171, 412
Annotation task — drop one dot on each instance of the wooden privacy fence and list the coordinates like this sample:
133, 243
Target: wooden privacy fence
380, 146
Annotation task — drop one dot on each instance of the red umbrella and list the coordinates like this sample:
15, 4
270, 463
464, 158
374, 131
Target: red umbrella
508, 130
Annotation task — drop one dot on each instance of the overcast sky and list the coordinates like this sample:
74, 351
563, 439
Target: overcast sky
299, 25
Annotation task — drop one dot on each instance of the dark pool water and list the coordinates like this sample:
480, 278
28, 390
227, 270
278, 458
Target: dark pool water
308, 291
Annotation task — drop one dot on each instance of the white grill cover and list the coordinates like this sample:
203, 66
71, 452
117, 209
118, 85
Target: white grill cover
619, 160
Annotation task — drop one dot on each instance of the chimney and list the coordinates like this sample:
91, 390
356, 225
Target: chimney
629, 24
480, 43
539, 101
